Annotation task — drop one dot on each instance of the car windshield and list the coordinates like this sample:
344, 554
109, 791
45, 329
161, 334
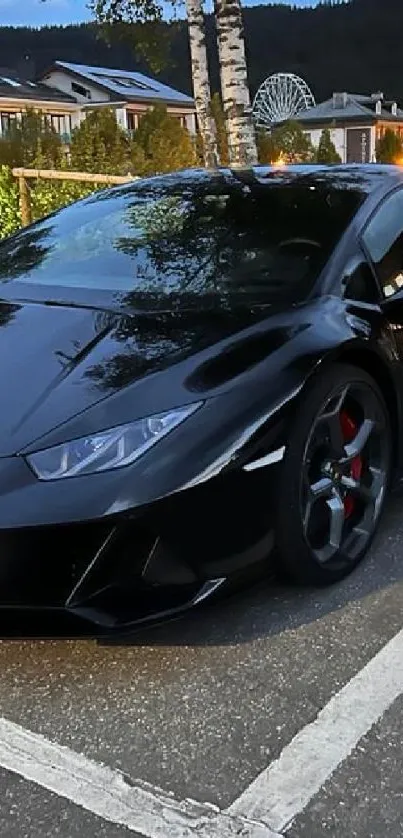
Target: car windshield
162, 246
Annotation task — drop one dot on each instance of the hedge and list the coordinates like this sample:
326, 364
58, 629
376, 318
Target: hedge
46, 197
10, 218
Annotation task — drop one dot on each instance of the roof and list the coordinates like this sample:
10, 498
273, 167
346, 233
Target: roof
361, 177
357, 107
13, 87
355, 177
127, 84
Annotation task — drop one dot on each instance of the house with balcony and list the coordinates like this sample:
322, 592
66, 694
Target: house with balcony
129, 93
17, 95
356, 122
66, 92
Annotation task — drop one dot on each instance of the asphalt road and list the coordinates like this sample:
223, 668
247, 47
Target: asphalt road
201, 706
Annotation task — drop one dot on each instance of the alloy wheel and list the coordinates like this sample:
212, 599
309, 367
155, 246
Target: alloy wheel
344, 474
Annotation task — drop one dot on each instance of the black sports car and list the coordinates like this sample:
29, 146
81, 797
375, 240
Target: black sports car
198, 370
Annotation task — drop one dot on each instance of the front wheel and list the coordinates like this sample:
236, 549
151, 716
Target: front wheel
334, 477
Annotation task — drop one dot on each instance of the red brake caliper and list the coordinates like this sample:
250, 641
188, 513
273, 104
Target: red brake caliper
349, 429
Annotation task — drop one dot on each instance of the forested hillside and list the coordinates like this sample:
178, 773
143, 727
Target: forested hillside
354, 46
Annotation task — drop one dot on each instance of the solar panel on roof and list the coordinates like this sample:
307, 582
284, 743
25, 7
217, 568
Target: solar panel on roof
121, 81
134, 84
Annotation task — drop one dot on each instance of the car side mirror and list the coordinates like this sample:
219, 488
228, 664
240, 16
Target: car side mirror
359, 284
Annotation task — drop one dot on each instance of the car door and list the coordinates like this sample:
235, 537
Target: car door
382, 241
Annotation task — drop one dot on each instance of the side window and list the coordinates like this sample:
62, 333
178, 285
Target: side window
359, 284
383, 239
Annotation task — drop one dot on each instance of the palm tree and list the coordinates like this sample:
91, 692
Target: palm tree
234, 82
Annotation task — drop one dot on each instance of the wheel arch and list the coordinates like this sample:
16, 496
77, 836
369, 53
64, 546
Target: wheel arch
370, 361
323, 561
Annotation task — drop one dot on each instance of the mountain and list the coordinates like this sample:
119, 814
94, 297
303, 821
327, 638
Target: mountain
353, 46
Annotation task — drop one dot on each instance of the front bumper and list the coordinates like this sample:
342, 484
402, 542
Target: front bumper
107, 576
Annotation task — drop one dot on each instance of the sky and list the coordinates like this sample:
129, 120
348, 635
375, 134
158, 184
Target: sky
37, 13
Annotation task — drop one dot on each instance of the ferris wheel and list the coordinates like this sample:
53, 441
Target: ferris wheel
282, 96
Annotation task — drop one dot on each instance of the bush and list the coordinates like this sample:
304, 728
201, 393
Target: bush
166, 145
46, 197
389, 149
266, 151
10, 218
161, 144
286, 142
326, 152
99, 144
31, 142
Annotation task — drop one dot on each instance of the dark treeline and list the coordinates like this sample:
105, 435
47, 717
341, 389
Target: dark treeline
353, 46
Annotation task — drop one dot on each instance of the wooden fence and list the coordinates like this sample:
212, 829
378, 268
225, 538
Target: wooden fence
23, 175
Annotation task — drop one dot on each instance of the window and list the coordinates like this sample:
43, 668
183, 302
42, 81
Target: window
6, 121
57, 122
197, 243
80, 90
383, 239
180, 118
132, 121
68, 127
61, 123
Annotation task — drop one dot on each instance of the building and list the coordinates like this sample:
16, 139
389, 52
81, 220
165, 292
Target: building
356, 123
131, 94
16, 95
66, 92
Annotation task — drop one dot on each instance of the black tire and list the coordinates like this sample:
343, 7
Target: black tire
301, 504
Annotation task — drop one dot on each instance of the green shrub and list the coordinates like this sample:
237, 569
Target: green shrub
164, 143
46, 197
286, 142
99, 144
10, 218
389, 148
31, 142
326, 152
161, 144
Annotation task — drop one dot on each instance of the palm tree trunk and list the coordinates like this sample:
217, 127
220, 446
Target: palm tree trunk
201, 81
234, 83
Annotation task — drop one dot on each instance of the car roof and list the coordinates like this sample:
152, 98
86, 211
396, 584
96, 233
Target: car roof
362, 178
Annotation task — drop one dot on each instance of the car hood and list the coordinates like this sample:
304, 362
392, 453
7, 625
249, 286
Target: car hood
58, 360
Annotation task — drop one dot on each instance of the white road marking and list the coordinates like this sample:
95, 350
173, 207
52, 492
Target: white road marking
285, 788
264, 810
107, 793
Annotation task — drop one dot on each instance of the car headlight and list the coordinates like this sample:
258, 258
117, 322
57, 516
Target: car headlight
106, 450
